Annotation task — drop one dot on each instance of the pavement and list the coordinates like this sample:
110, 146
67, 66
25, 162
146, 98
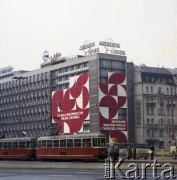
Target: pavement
79, 165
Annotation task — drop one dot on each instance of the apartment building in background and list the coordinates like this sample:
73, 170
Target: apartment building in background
155, 105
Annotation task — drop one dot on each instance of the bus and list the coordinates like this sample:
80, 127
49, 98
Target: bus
22, 148
72, 147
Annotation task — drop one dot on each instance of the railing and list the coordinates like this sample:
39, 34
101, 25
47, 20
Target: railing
152, 104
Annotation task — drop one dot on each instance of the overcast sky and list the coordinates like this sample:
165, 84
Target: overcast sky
145, 29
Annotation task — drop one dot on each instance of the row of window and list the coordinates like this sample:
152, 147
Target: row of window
26, 118
92, 142
18, 145
23, 113
25, 126
106, 63
26, 80
69, 69
160, 122
28, 94
160, 133
169, 91
161, 111
159, 101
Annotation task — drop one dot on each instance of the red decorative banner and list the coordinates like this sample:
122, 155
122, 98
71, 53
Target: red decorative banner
112, 103
70, 107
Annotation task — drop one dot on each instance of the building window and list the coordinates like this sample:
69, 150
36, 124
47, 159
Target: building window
172, 112
161, 133
147, 111
105, 63
152, 90
147, 89
171, 91
148, 121
168, 111
152, 121
159, 90
161, 121
117, 65
148, 133
167, 91
172, 122
104, 72
152, 133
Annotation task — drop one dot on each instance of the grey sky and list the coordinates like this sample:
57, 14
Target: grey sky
145, 29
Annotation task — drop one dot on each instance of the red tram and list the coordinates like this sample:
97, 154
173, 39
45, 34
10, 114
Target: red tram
72, 147
23, 148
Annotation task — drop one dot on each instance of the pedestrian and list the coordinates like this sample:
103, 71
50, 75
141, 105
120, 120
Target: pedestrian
116, 152
110, 151
129, 152
152, 152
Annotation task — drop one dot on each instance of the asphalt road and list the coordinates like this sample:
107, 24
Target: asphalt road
67, 170
50, 174
60, 174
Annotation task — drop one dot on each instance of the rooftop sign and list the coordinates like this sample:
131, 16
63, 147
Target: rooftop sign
53, 58
110, 46
87, 48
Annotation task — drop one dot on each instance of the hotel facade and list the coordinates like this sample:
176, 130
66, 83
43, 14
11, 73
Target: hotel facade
69, 95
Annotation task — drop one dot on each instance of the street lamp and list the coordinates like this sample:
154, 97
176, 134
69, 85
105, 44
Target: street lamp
19, 78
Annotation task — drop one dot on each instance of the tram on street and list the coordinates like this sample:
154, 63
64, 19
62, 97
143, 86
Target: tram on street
72, 147
22, 148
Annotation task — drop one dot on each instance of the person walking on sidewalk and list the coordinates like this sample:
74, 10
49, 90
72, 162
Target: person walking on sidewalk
152, 152
111, 152
116, 152
129, 152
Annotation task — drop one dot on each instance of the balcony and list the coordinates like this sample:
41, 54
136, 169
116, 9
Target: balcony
155, 126
170, 105
150, 104
160, 93
174, 127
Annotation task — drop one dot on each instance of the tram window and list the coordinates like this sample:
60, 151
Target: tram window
63, 143
69, 142
87, 142
56, 143
15, 145
102, 142
1, 144
9, 144
5, 145
95, 142
28, 144
33, 144
77, 142
49, 143
21, 145
39, 144
43, 144
99, 142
